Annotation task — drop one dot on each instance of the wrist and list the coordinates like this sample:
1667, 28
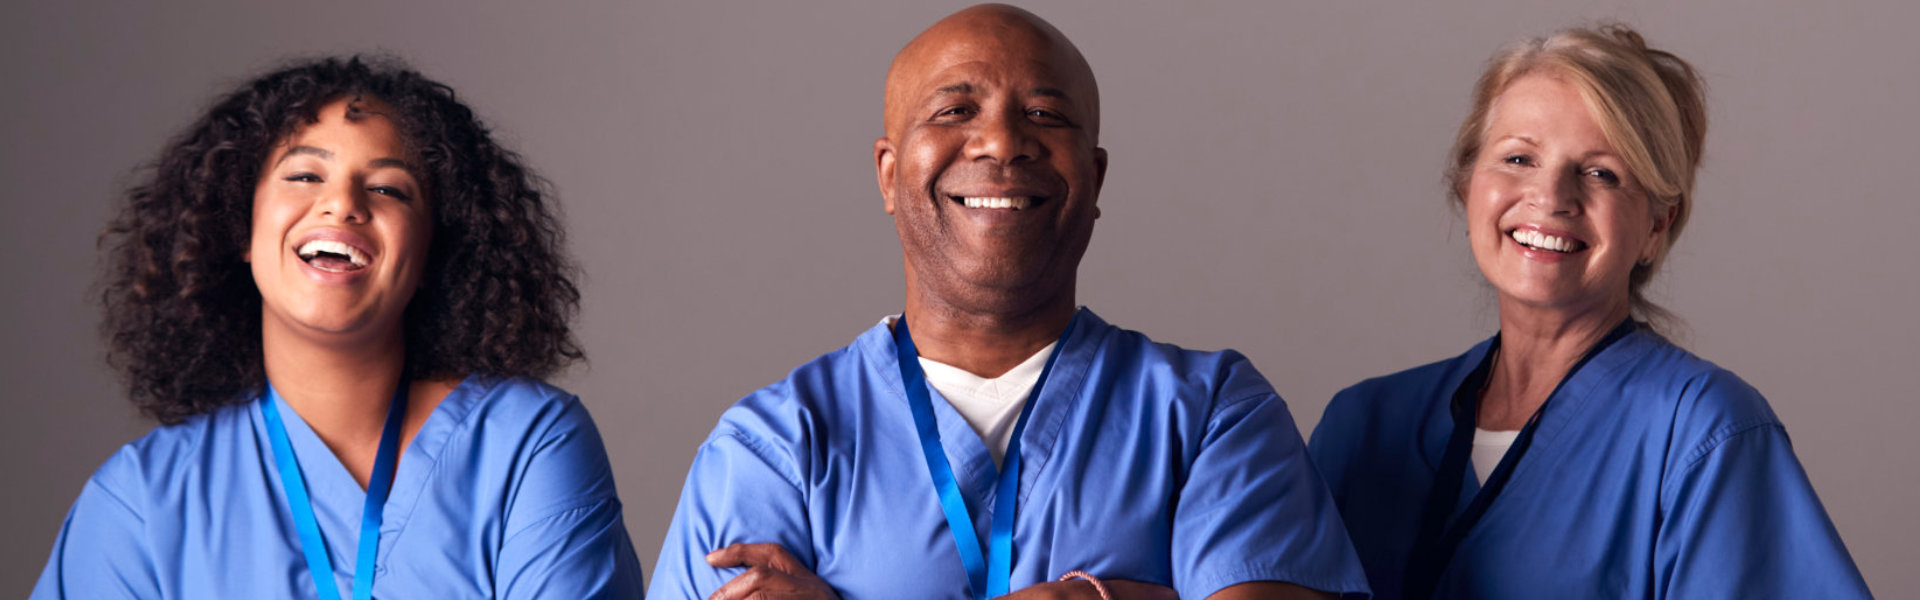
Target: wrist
1098, 586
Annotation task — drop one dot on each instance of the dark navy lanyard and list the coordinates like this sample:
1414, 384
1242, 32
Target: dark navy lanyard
318, 563
988, 577
1438, 539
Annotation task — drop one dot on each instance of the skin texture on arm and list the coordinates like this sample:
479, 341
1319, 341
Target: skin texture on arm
772, 574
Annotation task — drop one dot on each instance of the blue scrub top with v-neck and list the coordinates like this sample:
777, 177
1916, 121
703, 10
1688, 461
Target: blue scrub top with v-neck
1652, 474
505, 492
1139, 461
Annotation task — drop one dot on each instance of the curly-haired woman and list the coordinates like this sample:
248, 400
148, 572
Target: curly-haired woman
336, 293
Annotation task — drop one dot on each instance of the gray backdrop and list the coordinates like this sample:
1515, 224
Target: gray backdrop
1275, 187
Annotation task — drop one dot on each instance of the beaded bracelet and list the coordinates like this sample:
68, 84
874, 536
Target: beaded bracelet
1097, 585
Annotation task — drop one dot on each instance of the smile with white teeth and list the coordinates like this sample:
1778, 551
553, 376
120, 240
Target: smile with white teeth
1540, 241
1014, 202
329, 255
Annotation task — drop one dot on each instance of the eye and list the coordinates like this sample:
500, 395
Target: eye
387, 190
304, 178
1604, 176
954, 112
1047, 116
1517, 159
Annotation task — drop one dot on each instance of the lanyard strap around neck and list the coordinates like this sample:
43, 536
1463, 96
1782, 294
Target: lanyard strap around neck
1439, 538
319, 564
987, 577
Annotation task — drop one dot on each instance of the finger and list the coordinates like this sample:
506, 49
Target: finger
740, 555
756, 555
744, 586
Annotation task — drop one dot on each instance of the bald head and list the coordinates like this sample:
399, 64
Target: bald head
993, 36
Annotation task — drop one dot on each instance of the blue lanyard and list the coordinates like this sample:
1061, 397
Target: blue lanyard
986, 578
318, 563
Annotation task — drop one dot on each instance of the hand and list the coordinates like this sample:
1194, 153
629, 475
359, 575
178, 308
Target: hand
772, 574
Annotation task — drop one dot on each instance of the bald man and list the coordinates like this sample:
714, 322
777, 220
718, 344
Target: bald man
996, 436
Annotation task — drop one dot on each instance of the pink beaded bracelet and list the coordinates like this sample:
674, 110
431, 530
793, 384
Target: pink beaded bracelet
1097, 585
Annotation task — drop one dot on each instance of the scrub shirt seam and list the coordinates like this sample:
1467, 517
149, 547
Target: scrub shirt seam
760, 451
575, 507
1217, 408
1725, 434
120, 502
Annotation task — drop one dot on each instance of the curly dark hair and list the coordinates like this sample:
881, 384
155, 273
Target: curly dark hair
182, 312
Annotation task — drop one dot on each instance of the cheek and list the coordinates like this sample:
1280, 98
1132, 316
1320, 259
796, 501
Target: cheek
264, 232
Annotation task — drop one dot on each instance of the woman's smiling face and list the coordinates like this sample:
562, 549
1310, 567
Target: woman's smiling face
341, 226
1554, 218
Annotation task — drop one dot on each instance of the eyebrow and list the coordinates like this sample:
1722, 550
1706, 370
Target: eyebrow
308, 150
956, 88
324, 154
964, 88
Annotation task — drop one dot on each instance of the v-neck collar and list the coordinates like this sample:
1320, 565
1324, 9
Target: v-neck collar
973, 464
1567, 407
333, 489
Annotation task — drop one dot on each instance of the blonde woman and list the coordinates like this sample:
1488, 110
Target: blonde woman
1577, 452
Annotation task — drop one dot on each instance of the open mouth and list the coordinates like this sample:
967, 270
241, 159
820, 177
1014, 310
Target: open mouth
1000, 202
333, 256
1546, 243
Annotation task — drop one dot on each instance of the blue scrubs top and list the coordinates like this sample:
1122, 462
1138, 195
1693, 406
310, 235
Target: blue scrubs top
1652, 474
1140, 461
505, 492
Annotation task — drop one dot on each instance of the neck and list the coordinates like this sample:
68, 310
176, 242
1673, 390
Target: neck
342, 393
1537, 349
985, 343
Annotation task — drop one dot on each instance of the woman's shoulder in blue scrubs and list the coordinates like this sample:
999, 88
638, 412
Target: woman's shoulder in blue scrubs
505, 491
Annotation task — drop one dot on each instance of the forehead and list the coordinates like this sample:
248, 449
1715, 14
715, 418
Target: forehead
1538, 100
350, 125
1542, 101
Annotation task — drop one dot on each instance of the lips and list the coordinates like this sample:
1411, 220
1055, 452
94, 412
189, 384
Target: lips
999, 197
1542, 241
334, 251
1006, 202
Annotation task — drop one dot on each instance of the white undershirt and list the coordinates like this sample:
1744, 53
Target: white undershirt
990, 406
1488, 448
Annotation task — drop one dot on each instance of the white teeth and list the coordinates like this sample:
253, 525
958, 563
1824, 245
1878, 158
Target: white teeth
310, 249
1016, 203
1542, 241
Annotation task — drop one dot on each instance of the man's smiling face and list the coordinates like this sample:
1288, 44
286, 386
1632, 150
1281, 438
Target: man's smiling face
990, 166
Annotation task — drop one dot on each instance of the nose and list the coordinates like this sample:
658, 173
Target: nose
346, 201
1557, 192
1002, 136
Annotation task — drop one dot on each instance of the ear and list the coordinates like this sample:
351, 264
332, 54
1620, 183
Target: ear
1657, 243
1099, 178
883, 167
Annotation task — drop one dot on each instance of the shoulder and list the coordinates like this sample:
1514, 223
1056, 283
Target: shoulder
781, 424
509, 405
1708, 403
1222, 376
144, 470
1405, 392
822, 385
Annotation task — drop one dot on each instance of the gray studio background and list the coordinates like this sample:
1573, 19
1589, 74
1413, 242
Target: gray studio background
1275, 188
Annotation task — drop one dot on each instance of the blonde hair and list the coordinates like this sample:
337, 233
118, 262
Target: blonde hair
1649, 103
